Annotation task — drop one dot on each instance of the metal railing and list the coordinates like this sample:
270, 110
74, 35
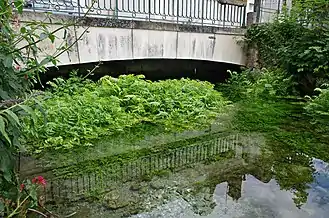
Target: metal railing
193, 12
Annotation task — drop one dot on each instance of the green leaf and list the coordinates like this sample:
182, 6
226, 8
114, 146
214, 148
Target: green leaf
23, 30
51, 37
8, 61
3, 129
19, 5
7, 176
4, 94
33, 194
54, 62
45, 61
30, 111
13, 116
2, 207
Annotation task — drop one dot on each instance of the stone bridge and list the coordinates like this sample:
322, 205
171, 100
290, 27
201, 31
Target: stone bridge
144, 29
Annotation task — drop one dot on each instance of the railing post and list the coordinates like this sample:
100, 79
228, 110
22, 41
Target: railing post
244, 16
202, 12
178, 11
78, 8
224, 16
116, 14
149, 9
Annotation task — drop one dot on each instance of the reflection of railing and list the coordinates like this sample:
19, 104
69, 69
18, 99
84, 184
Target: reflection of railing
197, 12
147, 165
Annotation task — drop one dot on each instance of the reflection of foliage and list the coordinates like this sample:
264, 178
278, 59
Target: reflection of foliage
293, 172
289, 140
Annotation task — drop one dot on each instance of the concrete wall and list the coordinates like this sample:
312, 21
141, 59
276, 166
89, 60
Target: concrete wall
106, 41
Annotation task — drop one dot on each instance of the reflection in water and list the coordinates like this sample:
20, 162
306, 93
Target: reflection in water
259, 199
258, 183
247, 190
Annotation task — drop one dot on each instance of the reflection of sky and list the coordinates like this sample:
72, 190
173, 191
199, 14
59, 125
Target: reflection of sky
319, 189
259, 200
267, 200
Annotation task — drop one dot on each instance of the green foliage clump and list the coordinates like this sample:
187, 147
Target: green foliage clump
78, 115
22, 59
257, 84
297, 42
318, 107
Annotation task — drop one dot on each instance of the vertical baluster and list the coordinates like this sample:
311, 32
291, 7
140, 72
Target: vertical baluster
231, 13
134, 6
138, 6
192, 154
159, 7
128, 6
194, 8
170, 160
83, 183
72, 187
202, 12
122, 6
219, 12
159, 156
211, 8
89, 185
58, 189
186, 8
244, 16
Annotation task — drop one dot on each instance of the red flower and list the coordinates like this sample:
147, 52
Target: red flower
39, 180
22, 186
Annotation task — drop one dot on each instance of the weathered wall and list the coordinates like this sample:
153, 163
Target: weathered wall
108, 40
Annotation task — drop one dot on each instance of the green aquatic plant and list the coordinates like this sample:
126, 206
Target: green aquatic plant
257, 84
80, 113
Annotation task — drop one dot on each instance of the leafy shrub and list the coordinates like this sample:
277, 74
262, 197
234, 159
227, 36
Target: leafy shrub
77, 117
318, 107
297, 42
22, 59
257, 84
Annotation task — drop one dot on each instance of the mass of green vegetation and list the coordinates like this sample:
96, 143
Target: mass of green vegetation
296, 42
21, 61
285, 98
80, 113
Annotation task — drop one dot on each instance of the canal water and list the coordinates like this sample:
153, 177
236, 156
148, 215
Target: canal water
258, 199
258, 184
253, 175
